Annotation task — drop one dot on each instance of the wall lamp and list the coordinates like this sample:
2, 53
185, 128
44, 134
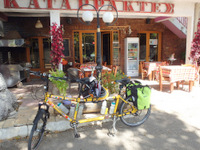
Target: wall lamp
38, 24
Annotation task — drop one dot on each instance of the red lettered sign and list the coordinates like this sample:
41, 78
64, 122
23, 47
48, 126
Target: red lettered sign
10, 4
122, 5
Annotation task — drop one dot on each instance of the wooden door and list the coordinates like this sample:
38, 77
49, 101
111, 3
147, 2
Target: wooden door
84, 46
150, 46
38, 54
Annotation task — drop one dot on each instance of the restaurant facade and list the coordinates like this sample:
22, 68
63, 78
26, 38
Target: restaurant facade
164, 27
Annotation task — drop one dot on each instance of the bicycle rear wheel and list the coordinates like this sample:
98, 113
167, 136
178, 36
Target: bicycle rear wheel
133, 119
37, 131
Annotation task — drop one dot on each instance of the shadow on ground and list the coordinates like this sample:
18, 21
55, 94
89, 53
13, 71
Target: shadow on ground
161, 131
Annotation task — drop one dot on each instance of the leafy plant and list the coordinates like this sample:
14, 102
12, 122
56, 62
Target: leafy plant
62, 85
108, 81
56, 45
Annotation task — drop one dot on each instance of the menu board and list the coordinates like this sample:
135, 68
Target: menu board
132, 51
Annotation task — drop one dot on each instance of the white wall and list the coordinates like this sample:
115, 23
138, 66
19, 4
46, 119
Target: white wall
196, 16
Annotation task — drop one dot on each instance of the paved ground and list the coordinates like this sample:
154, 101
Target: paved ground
173, 124
162, 131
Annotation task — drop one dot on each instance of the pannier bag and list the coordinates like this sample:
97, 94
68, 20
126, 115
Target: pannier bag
140, 94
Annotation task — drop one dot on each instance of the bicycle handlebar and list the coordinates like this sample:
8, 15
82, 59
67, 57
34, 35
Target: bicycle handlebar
41, 75
36, 73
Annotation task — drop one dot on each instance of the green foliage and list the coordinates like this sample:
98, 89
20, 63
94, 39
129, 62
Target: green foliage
108, 81
62, 85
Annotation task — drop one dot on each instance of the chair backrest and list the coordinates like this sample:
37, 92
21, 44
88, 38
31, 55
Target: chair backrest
141, 65
73, 74
194, 66
160, 73
114, 70
105, 63
188, 65
164, 63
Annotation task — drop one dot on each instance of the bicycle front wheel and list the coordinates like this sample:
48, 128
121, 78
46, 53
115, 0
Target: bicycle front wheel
37, 131
133, 119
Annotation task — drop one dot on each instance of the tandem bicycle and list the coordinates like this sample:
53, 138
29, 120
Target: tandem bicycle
124, 107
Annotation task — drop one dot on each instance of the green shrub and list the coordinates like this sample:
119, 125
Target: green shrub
62, 85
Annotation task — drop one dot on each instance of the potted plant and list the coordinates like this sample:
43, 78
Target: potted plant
108, 81
61, 85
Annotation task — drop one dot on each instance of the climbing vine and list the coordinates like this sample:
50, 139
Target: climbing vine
56, 45
195, 50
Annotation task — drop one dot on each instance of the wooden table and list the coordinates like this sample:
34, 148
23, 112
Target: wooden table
87, 68
176, 74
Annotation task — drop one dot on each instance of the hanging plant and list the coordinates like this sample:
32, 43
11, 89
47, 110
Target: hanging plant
195, 49
56, 45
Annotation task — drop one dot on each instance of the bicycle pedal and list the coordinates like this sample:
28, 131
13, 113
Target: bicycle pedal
77, 135
111, 134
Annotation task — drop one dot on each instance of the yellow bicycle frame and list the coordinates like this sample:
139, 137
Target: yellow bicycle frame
90, 99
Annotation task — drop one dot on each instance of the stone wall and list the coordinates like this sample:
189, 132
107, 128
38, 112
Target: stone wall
8, 102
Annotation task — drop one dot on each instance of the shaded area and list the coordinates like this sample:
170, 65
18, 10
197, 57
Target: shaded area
161, 131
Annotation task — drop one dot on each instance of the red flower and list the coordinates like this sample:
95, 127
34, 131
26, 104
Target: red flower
56, 45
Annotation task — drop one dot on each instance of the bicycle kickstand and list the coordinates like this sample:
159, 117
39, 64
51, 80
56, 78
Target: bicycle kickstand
113, 130
76, 134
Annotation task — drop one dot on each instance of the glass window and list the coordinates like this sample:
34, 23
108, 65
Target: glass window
116, 56
88, 47
66, 47
46, 50
153, 43
34, 52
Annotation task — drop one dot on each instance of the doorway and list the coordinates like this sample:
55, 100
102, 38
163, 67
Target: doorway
150, 46
38, 54
106, 52
84, 46
85, 49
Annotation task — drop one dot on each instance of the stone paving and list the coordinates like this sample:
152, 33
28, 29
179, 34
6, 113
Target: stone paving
21, 123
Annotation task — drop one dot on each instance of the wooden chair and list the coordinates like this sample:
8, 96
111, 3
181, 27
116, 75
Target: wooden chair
114, 70
143, 70
77, 65
105, 64
188, 82
163, 63
188, 65
161, 79
73, 74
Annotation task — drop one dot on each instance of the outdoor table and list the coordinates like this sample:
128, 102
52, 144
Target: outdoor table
87, 68
176, 73
151, 67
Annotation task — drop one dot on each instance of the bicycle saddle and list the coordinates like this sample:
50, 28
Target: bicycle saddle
123, 81
83, 80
